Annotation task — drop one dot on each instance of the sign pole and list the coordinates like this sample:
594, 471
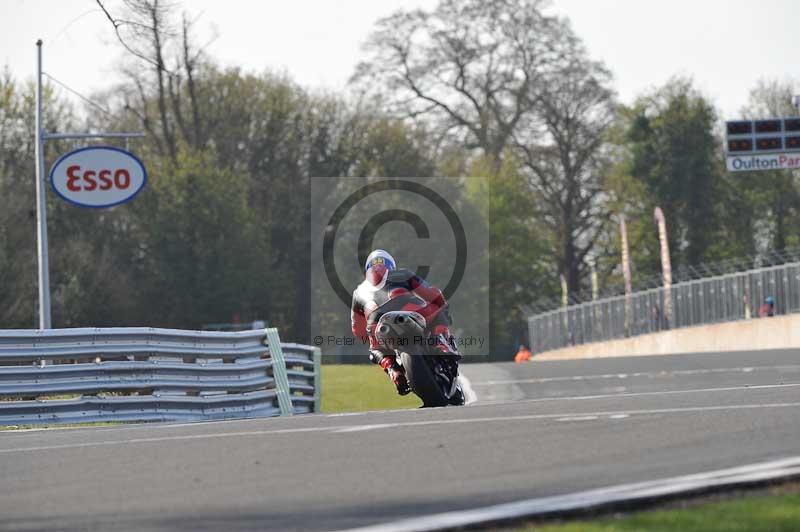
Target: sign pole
41, 189
41, 207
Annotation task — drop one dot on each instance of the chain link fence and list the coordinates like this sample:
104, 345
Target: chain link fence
680, 274
730, 297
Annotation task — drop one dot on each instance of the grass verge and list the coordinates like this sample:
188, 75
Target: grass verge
359, 388
776, 510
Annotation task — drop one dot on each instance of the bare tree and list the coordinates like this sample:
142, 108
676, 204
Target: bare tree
566, 166
191, 60
505, 76
771, 99
147, 30
144, 32
476, 66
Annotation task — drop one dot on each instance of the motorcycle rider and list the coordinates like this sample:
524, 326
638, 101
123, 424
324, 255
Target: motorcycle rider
382, 282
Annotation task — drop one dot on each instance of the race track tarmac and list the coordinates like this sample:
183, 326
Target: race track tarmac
539, 429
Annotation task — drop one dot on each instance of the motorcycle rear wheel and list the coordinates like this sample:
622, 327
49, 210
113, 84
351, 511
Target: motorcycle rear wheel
434, 390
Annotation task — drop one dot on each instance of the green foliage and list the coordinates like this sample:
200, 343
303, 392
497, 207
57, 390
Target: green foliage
763, 208
517, 250
18, 289
17, 217
777, 513
673, 152
222, 229
391, 149
669, 156
200, 245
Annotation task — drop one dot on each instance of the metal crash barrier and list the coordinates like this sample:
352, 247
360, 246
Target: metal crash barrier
148, 374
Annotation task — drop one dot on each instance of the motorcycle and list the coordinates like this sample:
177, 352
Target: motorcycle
432, 376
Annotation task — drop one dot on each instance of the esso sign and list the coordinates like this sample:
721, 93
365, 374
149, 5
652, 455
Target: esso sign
98, 176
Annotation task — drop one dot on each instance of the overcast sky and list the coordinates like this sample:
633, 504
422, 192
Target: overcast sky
725, 45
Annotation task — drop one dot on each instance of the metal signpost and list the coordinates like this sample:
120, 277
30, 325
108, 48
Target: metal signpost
772, 144
41, 207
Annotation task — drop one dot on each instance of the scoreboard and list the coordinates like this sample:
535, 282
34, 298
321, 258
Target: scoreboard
771, 144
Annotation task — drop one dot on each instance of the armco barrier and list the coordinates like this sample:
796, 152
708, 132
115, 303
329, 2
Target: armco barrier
146, 374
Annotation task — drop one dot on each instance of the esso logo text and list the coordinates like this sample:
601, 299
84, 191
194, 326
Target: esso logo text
98, 176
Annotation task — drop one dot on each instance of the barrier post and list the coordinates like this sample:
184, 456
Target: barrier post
317, 379
279, 372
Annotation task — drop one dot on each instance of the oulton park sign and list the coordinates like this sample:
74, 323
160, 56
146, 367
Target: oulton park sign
754, 145
750, 163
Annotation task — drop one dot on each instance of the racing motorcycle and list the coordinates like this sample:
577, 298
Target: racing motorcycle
431, 375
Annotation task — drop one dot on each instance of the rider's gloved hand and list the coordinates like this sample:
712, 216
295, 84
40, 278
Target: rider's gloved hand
396, 374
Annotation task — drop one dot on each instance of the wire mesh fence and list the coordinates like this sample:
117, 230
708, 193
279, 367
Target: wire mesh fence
680, 274
729, 297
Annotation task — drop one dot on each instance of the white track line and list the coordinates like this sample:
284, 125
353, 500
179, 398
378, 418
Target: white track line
623, 395
650, 490
402, 424
649, 374
362, 428
578, 418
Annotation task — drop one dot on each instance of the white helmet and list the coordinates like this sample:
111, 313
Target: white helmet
380, 256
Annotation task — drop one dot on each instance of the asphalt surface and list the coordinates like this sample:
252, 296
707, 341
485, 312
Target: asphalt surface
537, 379
553, 428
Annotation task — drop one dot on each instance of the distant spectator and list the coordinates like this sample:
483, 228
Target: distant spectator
767, 310
523, 355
